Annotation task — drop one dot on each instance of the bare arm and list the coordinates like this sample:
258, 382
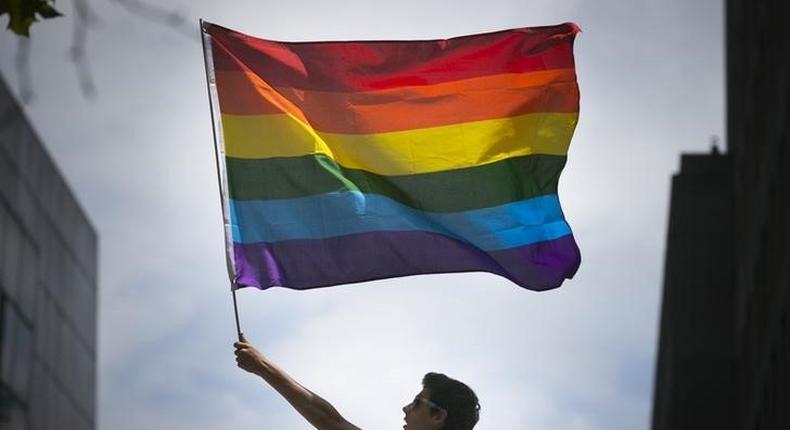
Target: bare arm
320, 413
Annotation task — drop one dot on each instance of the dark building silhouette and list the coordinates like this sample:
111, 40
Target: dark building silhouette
695, 380
48, 257
724, 345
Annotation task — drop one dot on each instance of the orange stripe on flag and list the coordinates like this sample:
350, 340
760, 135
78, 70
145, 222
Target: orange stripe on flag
489, 97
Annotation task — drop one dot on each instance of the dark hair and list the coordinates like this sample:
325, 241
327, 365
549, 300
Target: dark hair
455, 397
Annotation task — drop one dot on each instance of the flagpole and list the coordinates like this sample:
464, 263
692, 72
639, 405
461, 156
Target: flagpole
219, 169
239, 334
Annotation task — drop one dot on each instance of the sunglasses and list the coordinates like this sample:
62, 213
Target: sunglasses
420, 399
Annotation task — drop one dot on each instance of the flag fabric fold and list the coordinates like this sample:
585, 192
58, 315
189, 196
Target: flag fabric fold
342, 162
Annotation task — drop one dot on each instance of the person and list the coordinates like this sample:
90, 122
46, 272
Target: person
443, 404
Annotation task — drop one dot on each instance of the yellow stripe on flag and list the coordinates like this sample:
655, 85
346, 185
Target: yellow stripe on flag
402, 152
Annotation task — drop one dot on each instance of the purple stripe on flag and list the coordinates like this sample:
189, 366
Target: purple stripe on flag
313, 263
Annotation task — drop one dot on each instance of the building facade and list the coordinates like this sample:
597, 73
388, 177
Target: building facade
696, 363
758, 110
724, 343
48, 288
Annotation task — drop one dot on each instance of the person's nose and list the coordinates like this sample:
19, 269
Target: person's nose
405, 409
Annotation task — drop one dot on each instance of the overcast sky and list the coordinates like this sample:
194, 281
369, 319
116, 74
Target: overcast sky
140, 159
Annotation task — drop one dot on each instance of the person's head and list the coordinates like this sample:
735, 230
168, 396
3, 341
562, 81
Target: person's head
443, 404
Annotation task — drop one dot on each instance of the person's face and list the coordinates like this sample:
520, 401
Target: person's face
419, 415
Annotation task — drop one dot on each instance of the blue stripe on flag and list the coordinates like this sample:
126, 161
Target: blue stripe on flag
348, 212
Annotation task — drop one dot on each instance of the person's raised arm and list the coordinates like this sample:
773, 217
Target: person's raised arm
320, 413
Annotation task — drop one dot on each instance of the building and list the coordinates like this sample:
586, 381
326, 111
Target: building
724, 346
758, 110
48, 288
695, 376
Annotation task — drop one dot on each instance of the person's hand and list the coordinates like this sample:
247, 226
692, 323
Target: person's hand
247, 357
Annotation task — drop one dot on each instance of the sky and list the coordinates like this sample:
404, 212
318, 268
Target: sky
139, 157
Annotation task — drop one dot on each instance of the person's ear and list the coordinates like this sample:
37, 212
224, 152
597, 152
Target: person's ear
439, 418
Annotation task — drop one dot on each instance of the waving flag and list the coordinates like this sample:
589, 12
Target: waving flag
343, 162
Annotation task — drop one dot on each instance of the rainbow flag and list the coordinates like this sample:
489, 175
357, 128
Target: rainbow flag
344, 162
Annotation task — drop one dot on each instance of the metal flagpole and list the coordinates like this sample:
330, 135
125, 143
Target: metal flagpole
239, 334
218, 148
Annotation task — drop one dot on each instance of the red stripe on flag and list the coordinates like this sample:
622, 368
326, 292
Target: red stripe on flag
376, 65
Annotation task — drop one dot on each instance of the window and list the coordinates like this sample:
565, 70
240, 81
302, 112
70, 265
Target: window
11, 243
16, 353
28, 277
